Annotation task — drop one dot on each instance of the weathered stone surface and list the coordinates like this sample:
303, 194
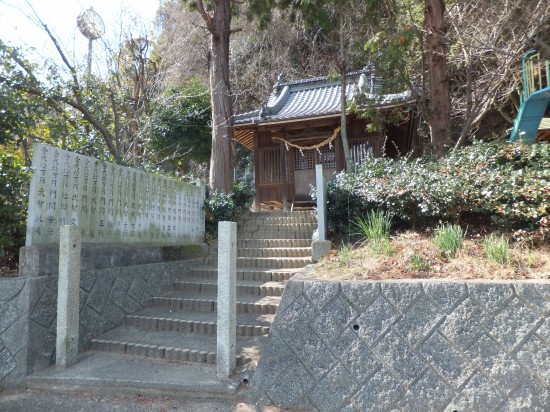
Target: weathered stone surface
543, 332
104, 300
227, 295
478, 395
294, 318
292, 385
293, 289
7, 363
15, 337
362, 295
444, 346
41, 340
9, 312
490, 296
333, 319
45, 309
513, 324
530, 397
313, 353
376, 320
321, 293
276, 357
401, 294
400, 359
319, 248
535, 354
119, 291
63, 189
10, 288
447, 295
382, 390
429, 393
449, 364
496, 363
536, 295
68, 294
355, 356
418, 321
464, 323
87, 280
333, 390
137, 287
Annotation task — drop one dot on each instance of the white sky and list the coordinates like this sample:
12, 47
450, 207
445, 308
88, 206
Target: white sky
136, 17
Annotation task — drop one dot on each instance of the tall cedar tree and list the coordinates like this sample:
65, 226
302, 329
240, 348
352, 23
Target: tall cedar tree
217, 17
439, 84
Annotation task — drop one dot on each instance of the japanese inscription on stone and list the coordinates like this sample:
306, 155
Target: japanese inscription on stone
110, 203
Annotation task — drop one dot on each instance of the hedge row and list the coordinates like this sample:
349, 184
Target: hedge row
508, 184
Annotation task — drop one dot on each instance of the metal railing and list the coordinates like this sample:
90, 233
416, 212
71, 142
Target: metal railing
535, 74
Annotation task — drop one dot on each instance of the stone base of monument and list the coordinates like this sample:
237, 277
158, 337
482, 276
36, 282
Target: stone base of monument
320, 248
43, 260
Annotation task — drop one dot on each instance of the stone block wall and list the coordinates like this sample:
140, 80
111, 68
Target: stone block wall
407, 346
28, 309
106, 296
13, 330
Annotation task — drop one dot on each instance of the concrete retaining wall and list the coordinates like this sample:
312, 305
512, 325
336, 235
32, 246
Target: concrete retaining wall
13, 330
28, 304
408, 345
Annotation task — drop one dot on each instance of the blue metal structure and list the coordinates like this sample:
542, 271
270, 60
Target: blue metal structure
534, 98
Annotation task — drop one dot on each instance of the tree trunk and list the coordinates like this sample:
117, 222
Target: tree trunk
221, 160
439, 87
343, 114
343, 122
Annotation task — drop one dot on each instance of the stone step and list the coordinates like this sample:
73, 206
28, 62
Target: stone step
265, 262
277, 227
244, 287
170, 345
272, 243
275, 252
206, 302
254, 220
161, 318
262, 234
277, 213
266, 275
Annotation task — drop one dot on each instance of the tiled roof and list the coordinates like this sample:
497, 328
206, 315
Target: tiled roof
317, 97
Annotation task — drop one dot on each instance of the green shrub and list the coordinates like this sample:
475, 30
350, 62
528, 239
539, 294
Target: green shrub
221, 206
504, 183
448, 239
14, 181
497, 250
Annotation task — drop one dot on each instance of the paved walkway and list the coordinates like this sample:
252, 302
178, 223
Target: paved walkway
56, 401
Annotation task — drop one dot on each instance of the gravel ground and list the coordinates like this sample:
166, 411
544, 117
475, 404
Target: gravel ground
50, 401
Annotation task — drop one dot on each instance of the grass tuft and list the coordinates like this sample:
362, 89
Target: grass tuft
497, 250
375, 226
344, 255
448, 239
419, 263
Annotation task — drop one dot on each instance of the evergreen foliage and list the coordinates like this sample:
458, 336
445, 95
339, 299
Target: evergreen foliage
508, 184
14, 180
229, 207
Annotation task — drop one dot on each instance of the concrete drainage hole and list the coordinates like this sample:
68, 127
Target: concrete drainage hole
355, 327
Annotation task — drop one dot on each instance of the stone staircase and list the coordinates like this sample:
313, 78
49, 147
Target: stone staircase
180, 325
